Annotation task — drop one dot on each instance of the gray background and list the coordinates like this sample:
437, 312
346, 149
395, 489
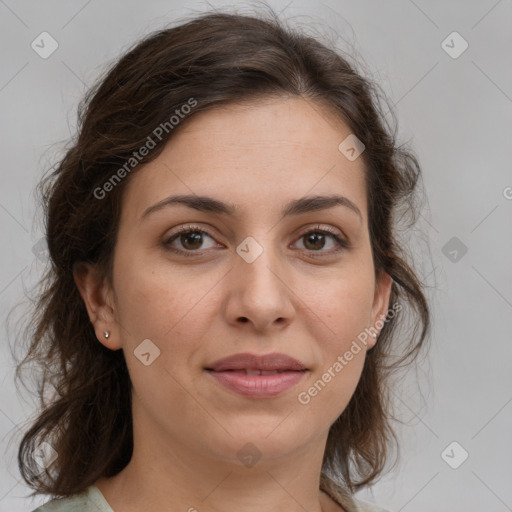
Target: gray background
456, 113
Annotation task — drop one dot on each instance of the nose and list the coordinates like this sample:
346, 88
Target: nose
259, 292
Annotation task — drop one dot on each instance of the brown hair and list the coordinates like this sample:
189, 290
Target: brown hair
215, 58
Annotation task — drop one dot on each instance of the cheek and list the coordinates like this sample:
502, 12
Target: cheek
154, 305
340, 314
326, 395
158, 303
151, 300
344, 307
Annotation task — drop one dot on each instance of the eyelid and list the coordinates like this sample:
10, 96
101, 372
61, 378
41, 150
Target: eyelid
338, 236
186, 229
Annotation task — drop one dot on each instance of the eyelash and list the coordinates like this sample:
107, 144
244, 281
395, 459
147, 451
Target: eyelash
195, 229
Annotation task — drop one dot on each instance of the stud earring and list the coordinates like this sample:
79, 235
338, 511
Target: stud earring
106, 334
374, 334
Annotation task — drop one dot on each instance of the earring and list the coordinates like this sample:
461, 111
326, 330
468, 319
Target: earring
374, 334
106, 334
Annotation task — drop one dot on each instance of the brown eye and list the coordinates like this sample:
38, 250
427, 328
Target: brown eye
190, 238
315, 240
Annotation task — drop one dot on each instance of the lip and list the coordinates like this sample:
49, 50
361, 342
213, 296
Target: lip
267, 362
258, 386
231, 373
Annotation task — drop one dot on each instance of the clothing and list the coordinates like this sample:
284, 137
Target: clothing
92, 500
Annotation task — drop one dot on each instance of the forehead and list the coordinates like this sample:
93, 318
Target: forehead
259, 154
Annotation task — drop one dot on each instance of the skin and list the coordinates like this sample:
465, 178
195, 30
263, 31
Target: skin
187, 427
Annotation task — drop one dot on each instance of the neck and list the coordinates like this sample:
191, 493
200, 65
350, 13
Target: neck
157, 478
169, 469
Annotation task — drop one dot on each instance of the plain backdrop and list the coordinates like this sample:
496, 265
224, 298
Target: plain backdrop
454, 106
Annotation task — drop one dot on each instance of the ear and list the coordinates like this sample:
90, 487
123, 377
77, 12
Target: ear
98, 299
380, 305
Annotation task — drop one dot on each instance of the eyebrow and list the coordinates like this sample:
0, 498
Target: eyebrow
293, 208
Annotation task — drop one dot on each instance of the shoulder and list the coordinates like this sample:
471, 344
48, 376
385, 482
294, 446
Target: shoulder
344, 498
366, 506
90, 500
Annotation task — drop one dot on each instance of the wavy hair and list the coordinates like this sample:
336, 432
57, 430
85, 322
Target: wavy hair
217, 58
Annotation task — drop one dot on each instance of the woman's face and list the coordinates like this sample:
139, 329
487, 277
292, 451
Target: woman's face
255, 282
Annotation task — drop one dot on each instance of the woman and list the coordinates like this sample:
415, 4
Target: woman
226, 287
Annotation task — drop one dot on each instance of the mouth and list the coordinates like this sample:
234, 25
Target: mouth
245, 371
257, 376
257, 384
252, 363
